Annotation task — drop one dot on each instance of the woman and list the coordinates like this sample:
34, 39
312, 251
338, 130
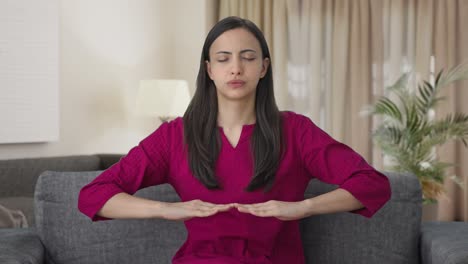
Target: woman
239, 165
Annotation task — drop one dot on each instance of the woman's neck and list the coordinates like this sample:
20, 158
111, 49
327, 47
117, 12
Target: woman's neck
235, 114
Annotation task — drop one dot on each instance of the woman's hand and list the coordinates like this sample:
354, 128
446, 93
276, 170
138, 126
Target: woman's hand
195, 208
285, 211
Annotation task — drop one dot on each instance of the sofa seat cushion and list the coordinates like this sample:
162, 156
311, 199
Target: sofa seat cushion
71, 237
444, 242
20, 246
22, 204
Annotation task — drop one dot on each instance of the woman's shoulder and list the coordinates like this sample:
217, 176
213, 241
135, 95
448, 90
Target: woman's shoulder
177, 122
172, 125
293, 119
168, 130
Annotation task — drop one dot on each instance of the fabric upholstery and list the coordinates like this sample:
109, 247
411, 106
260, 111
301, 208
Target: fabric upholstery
391, 236
22, 204
444, 243
107, 160
20, 246
12, 218
70, 237
20, 175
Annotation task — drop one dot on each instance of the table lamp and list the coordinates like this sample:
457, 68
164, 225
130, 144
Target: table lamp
166, 99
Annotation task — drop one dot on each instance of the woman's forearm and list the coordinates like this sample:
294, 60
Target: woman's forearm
123, 205
338, 200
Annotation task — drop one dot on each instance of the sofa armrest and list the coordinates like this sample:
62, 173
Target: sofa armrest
444, 243
20, 246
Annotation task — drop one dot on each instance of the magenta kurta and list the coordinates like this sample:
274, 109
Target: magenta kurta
232, 236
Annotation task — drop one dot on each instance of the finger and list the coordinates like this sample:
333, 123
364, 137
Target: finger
213, 209
257, 206
226, 205
204, 212
212, 205
251, 210
223, 208
246, 210
243, 208
206, 205
260, 205
198, 203
248, 205
260, 212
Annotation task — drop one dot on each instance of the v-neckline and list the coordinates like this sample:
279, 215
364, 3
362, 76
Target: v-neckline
244, 135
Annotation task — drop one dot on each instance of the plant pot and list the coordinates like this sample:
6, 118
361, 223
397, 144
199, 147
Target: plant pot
429, 212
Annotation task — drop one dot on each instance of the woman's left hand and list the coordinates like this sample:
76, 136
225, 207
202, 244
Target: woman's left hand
285, 211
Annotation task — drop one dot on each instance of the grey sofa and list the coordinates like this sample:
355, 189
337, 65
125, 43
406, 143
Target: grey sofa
63, 235
18, 176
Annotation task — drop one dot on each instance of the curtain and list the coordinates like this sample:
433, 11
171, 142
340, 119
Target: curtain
425, 37
270, 17
343, 53
330, 67
314, 44
333, 57
450, 48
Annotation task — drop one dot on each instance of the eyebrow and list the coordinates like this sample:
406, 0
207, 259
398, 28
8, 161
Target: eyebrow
242, 51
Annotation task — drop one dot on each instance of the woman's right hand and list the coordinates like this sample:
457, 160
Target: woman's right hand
195, 208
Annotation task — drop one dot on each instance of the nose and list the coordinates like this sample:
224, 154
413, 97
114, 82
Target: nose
236, 68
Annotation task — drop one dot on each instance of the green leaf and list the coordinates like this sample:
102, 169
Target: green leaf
408, 136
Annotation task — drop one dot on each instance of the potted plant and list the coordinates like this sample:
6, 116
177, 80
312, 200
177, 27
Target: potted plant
409, 132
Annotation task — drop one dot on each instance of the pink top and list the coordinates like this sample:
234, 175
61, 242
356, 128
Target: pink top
232, 236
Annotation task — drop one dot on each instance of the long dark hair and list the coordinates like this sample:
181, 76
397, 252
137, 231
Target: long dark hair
201, 133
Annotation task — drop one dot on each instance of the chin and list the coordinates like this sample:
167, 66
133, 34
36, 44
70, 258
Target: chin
237, 96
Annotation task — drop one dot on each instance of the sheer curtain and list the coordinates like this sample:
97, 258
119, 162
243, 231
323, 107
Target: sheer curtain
332, 57
343, 53
426, 36
330, 66
450, 47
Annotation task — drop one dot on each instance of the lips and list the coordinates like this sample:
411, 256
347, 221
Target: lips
236, 83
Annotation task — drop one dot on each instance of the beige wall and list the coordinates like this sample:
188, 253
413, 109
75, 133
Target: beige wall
106, 47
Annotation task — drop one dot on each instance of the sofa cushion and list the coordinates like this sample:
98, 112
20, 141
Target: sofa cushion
71, 237
22, 204
20, 175
444, 242
391, 236
20, 246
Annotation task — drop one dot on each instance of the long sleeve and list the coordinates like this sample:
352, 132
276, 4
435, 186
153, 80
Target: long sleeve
335, 163
144, 165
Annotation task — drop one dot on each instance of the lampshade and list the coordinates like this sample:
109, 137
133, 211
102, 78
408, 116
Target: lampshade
162, 98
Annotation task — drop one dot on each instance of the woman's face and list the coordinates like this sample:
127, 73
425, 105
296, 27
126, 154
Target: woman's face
236, 65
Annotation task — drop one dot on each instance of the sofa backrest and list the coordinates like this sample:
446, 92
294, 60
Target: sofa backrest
18, 176
70, 237
391, 236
